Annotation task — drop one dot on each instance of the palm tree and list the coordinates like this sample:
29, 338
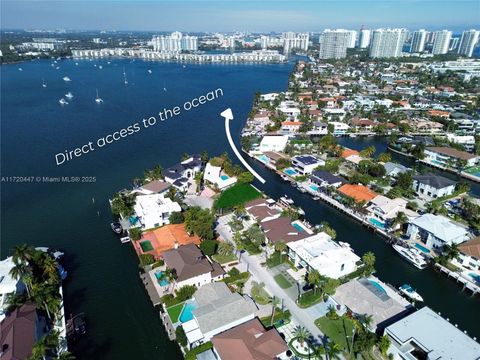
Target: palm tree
366, 320
50, 269
281, 247
39, 350
369, 262
318, 352
400, 219
225, 248
14, 301
20, 270
451, 251
314, 279
274, 301
45, 299
22, 254
333, 351
302, 334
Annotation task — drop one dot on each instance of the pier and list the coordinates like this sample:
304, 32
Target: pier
459, 278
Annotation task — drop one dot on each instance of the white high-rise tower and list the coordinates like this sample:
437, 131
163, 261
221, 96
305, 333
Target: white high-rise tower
334, 43
468, 41
364, 38
387, 43
442, 42
418, 41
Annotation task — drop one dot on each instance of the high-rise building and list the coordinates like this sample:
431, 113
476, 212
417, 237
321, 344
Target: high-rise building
442, 42
175, 42
454, 43
364, 38
292, 41
334, 43
468, 41
352, 38
387, 43
419, 38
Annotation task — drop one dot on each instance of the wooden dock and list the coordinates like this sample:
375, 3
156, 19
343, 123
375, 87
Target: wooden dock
466, 284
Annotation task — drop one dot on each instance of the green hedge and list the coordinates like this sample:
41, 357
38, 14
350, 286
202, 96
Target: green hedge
192, 354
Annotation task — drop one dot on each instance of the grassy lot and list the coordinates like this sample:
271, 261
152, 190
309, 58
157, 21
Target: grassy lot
309, 298
174, 312
282, 281
336, 330
146, 246
222, 259
236, 195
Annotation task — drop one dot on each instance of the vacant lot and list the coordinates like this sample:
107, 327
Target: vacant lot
236, 195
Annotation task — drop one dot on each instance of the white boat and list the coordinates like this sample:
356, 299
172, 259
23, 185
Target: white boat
20, 69
62, 101
410, 292
43, 83
100, 66
108, 62
76, 64
98, 99
411, 256
125, 81
58, 67
66, 78
69, 95
149, 71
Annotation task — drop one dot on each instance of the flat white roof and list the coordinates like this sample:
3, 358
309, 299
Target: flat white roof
7, 283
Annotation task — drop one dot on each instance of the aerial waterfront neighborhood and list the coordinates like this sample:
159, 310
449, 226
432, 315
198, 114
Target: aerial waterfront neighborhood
341, 222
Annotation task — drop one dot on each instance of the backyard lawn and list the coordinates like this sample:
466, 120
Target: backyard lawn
337, 330
236, 195
146, 246
282, 281
222, 259
174, 312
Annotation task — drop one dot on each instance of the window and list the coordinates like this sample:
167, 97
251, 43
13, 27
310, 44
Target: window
342, 267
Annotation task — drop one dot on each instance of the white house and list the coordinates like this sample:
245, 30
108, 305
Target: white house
269, 97
305, 164
469, 256
339, 128
467, 141
385, 210
291, 127
318, 128
446, 156
214, 175
289, 108
273, 143
321, 253
216, 309
8, 285
154, 210
436, 231
393, 169
433, 185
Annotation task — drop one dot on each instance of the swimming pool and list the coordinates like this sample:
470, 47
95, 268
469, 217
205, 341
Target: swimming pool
377, 223
224, 177
298, 227
378, 286
290, 172
422, 248
475, 277
314, 187
187, 314
264, 159
162, 281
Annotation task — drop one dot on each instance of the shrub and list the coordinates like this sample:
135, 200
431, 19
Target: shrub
234, 272
176, 217
181, 337
135, 234
209, 247
185, 292
146, 259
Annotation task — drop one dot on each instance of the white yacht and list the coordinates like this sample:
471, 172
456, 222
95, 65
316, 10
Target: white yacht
43, 83
410, 292
149, 71
98, 99
66, 78
411, 256
62, 101
69, 95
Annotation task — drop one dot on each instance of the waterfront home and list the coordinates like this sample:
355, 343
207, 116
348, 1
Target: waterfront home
153, 187
214, 175
424, 126
182, 175
467, 141
323, 178
262, 210
339, 128
250, 341
385, 210
271, 158
8, 285
318, 128
469, 256
19, 331
319, 252
305, 164
359, 193
370, 296
284, 230
393, 169
154, 210
273, 143
168, 237
363, 125
217, 309
291, 127
269, 97
436, 231
439, 113
426, 335
433, 185
290, 109
191, 266
449, 157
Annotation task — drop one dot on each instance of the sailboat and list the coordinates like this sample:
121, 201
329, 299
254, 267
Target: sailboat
125, 81
43, 83
98, 99
164, 88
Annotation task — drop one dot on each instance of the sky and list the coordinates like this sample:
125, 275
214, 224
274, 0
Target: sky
240, 15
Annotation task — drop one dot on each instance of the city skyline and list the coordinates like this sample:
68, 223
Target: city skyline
226, 16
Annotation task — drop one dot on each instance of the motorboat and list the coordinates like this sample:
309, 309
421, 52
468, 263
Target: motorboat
413, 257
76, 325
125, 81
98, 99
149, 71
116, 227
66, 78
44, 84
62, 101
410, 292
100, 67
20, 69
69, 95
284, 177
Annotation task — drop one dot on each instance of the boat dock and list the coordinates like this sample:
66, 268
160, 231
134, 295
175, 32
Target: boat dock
152, 293
466, 284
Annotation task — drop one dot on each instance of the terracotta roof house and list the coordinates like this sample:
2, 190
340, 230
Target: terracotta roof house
191, 266
282, 230
261, 210
439, 113
249, 341
349, 152
469, 254
19, 332
358, 192
165, 238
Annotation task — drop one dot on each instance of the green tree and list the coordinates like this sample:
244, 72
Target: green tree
368, 152
185, 292
369, 263
176, 217
301, 333
66, 355
451, 251
225, 248
135, 233
384, 157
281, 247
325, 226
400, 219
314, 278
245, 177
333, 351
180, 336
208, 247
154, 174
199, 222
274, 301
204, 157
22, 253
383, 344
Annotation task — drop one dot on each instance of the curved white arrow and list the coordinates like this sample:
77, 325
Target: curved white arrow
228, 115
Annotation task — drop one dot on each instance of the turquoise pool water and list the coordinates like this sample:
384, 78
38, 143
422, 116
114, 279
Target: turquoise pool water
298, 227
378, 286
224, 177
422, 248
161, 282
314, 187
377, 223
187, 314
290, 172
264, 159
475, 277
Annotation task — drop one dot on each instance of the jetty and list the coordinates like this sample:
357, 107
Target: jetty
459, 278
